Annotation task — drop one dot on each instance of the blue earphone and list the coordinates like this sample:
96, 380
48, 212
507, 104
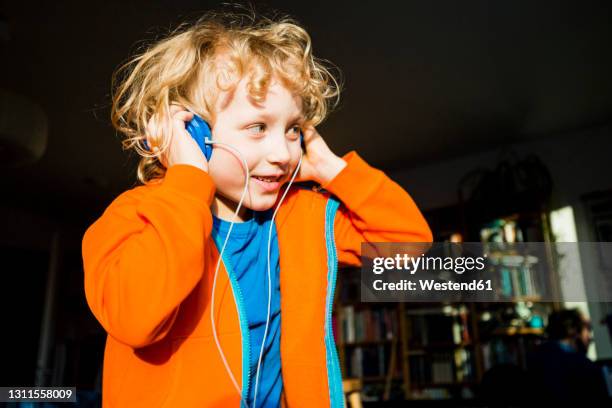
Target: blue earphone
199, 129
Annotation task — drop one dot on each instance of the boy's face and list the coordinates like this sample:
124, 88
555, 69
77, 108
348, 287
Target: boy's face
268, 136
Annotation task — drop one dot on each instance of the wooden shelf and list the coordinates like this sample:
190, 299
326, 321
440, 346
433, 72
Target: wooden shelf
441, 384
442, 345
361, 305
437, 346
533, 299
380, 378
517, 331
364, 343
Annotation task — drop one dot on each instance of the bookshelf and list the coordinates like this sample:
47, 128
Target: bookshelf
368, 340
434, 351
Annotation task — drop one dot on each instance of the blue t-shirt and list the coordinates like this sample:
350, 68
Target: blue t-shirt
246, 252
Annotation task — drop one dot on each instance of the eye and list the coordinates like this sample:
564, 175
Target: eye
295, 131
257, 129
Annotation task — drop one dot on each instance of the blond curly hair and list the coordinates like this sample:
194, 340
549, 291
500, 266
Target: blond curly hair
193, 64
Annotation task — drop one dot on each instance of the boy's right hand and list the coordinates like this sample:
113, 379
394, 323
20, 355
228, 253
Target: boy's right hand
182, 148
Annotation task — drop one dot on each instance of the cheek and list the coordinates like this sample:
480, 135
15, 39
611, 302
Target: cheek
228, 174
226, 170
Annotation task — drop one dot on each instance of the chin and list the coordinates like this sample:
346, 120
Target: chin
263, 203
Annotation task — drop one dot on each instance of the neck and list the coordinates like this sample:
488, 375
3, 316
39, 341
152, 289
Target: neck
224, 208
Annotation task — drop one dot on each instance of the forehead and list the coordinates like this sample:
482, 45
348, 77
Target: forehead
278, 101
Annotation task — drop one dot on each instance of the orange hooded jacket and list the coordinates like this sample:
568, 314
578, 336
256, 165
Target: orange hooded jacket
149, 262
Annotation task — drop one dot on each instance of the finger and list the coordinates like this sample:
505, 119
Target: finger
184, 116
309, 133
175, 107
179, 121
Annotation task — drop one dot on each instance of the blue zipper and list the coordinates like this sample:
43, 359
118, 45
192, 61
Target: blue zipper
244, 326
334, 374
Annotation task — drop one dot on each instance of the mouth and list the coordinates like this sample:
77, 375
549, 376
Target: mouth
270, 182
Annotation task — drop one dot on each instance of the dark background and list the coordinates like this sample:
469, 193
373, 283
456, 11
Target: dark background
427, 84
424, 81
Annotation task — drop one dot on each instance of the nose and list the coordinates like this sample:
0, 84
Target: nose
279, 151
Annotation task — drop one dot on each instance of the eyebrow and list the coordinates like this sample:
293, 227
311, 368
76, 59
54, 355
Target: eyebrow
265, 116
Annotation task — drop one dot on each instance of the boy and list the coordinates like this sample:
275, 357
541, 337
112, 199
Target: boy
151, 260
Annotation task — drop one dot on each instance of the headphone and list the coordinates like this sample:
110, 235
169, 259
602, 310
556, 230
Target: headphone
199, 129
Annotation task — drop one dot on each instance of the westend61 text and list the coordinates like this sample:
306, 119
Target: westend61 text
430, 284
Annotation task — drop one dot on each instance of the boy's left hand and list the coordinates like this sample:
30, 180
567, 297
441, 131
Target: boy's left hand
319, 163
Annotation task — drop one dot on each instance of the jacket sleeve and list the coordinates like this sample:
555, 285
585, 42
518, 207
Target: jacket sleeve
374, 209
145, 254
